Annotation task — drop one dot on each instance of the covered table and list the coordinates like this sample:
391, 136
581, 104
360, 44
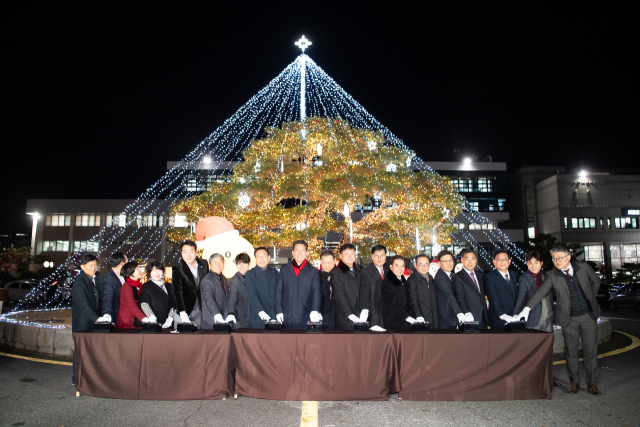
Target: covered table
334, 365
488, 365
159, 366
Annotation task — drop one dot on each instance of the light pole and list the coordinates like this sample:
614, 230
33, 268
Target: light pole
35, 217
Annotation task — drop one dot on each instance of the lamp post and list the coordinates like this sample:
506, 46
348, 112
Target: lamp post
34, 216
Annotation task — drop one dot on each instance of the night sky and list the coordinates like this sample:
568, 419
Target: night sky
97, 96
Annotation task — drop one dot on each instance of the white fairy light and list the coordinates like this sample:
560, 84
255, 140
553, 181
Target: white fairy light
303, 43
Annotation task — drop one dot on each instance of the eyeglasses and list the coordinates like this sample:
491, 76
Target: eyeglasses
560, 258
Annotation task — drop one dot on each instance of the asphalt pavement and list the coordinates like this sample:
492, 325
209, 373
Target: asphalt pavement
40, 394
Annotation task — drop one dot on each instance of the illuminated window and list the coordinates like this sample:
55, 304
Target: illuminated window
55, 246
87, 220
116, 220
85, 246
57, 220
148, 220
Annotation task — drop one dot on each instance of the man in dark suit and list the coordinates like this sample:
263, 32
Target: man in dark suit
371, 278
298, 290
449, 313
260, 283
469, 290
346, 288
422, 295
575, 286
186, 277
111, 283
328, 303
395, 297
501, 286
86, 303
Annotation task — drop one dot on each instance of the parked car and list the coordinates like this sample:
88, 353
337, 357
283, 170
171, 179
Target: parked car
603, 295
614, 288
627, 297
19, 289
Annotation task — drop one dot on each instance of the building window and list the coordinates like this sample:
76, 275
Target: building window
57, 220
87, 220
601, 223
532, 232
583, 223
626, 222
609, 223
148, 220
502, 204
566, 223
461, 225
85, 245
473, 206
55, 246
116, 220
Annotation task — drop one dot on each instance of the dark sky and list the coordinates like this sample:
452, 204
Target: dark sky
97, 96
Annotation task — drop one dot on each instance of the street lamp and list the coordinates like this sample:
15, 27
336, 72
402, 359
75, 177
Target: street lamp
466, 160
583, 173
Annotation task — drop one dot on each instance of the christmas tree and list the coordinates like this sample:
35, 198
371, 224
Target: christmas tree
304, 179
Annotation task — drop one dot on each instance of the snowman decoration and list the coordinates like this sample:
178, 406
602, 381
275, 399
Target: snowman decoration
433, 268
217, 235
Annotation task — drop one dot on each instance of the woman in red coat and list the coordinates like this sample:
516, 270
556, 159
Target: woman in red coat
130, 316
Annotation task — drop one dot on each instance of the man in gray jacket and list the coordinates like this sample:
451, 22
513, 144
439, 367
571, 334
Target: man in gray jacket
214, 290
575, 286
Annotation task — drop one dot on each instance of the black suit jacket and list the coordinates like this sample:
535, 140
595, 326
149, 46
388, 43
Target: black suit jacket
468, 297
422, 298
396, 310
448, 307
502, 296
371, 292
185, 290
111, 286
346, 290
86, 304
328, 302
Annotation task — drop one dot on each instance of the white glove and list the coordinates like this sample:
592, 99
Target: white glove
103, 319
354, 318
231, 318
218, 318
153, 319
420, 319
167, 323
314, 316
184, 318
364, 315
320, 317
146, 320
264, 316
524, 313
460, 317
468, 317
377, 328
410, 320
506, 318
279, 317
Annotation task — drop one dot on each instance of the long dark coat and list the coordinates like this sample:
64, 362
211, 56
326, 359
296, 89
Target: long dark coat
185, 290
422, 298
86, 303
111, 286
371, 292
346, 288
394, 295
297, 296
238, 303
261, 294
328, 303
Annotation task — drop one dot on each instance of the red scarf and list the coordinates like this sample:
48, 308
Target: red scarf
297, 269
538, 278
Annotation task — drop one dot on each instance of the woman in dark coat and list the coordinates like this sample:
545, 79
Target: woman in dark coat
156, 296
129, 315
394, 296
238, 304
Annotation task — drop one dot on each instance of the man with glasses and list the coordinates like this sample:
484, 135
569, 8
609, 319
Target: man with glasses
468, 288
501, 286
449, 313
575, 286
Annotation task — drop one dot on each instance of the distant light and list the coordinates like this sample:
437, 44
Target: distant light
46, 264
466, 160
35, 215
582, 173
206, 160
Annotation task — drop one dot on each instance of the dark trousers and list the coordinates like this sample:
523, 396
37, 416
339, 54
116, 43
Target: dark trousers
73, 373
582, 328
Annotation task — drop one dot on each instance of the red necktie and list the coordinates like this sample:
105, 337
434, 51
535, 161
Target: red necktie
382, 274
473, 277
567, 272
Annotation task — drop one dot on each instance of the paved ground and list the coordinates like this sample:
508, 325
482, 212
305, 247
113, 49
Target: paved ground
39, 394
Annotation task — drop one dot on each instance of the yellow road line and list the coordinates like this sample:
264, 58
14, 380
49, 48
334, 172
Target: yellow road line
33, 359
635, 342
309, 416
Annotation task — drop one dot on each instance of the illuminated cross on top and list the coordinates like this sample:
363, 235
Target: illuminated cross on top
303, 43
